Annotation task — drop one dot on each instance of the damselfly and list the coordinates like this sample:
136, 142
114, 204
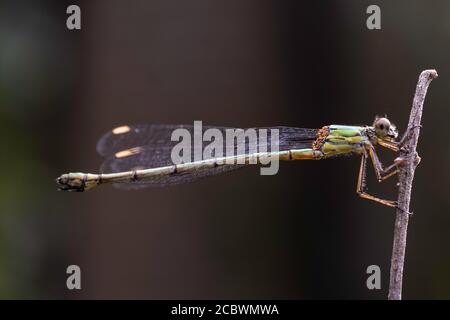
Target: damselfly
140, 156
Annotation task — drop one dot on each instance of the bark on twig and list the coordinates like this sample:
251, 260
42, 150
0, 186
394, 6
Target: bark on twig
406, 176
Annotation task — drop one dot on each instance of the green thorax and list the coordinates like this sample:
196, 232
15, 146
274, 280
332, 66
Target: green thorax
344, 140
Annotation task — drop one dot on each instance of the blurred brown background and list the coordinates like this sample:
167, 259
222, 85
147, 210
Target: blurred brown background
302, 233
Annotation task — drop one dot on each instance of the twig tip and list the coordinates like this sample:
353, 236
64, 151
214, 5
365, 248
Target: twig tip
431, 73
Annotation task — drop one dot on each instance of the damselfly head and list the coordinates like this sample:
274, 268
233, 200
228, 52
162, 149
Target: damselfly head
384, 129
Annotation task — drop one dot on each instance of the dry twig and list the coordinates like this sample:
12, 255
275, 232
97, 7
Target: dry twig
406, 176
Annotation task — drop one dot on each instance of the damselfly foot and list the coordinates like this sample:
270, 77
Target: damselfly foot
399, 161
404, 211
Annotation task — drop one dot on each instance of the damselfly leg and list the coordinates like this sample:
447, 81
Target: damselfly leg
380, 172
361, 185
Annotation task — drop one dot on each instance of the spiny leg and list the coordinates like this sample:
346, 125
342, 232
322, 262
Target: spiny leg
362, 184
392, 145
381, 173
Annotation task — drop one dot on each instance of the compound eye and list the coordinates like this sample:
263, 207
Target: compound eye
382, 126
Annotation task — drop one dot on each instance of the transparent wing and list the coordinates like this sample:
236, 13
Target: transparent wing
149, 146
125, 137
